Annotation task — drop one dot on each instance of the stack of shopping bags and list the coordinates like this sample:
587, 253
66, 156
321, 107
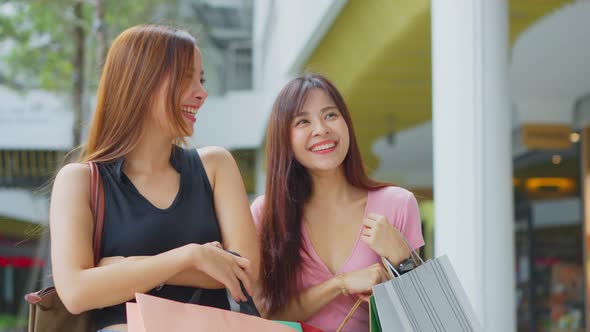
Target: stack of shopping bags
429, 298
154, 314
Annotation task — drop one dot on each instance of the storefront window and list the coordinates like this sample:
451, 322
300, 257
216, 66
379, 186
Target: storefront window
549, 241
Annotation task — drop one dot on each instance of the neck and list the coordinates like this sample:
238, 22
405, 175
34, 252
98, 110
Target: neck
152, 154
331, 187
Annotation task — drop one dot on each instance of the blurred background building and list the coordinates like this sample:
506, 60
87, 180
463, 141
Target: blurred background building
481, 108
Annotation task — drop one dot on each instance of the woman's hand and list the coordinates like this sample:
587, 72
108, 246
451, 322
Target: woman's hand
215, 244
224, 267
361, 282
384, 239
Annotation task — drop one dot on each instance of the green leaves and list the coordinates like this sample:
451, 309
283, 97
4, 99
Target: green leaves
39, 34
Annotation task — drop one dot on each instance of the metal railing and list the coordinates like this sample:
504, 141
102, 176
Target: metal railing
28, 168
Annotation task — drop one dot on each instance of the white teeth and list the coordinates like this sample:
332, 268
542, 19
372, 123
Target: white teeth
323, 147
191, 110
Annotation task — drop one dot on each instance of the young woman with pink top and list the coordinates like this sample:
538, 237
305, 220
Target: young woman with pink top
324, 225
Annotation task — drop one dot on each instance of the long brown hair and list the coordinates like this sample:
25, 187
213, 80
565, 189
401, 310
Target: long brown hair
139, 60
289, 186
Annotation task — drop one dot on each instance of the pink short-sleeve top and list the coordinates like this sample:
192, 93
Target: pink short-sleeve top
401, 210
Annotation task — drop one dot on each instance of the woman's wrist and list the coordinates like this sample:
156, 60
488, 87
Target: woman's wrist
190, 257
341, 284
399, 256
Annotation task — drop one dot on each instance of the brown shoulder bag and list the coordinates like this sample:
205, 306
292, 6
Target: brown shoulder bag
46, 310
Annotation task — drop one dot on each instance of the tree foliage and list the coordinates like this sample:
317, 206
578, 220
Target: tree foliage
37, 36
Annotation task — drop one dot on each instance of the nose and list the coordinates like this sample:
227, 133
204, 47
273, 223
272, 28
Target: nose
201, 93
320, 128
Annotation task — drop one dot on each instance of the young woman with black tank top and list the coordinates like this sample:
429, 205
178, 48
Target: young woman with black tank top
169, 211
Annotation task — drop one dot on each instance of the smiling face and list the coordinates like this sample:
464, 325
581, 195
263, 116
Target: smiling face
194, 97
319, 133
191, 101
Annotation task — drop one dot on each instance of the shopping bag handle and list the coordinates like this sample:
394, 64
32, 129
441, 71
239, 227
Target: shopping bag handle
392, 269
413, 253
350, 313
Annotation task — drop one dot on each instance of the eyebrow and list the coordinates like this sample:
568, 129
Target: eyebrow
323, 110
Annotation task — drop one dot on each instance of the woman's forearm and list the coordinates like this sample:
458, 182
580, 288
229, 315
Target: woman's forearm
190, 277
310, 301
117, 283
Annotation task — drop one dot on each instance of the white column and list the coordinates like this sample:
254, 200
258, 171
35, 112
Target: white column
472, 153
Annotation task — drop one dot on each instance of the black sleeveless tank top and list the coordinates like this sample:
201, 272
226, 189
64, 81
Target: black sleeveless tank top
135, 227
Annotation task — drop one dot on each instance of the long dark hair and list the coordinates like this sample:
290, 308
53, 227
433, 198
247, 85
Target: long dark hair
289, 186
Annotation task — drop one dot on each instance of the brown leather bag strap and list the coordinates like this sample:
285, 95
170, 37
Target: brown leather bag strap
97, 207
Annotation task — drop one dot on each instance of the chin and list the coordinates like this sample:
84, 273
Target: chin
323, 167
190, 132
